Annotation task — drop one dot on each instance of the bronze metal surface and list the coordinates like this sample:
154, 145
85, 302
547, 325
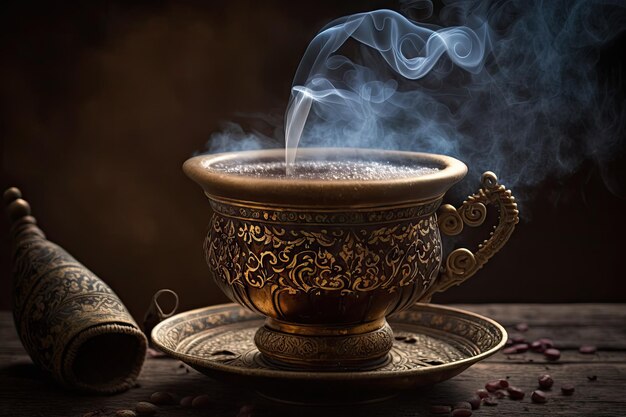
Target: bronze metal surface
432, 343
286, 192
327, 257
70, 322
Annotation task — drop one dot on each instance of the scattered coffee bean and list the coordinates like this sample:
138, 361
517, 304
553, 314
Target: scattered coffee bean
492, 386
587, 349
490, 401
539, 397
162, 398
518, 338
461, 412
475, 402
463, 404
552, 354
592, 378
186, 401
399, 337
547, 343
145, 408
201, 401
482, 393
515, 393
245, 411
125, 413
509, 342
410, 340
545, 381
537, 346
521, 327
511, 350
521, 347
567, 389
153, 353
500, 394
440, 409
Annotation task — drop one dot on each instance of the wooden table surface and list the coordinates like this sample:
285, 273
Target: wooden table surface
599, 379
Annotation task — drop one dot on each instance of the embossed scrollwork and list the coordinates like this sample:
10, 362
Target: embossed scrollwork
247, 255
463, 263
450, 221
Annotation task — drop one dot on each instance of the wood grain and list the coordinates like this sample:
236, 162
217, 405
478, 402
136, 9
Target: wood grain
24, 391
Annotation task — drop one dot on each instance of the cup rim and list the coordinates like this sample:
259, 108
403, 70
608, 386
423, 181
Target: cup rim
319, 193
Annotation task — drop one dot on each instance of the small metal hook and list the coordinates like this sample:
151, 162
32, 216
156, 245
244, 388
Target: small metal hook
155, 314
155, 303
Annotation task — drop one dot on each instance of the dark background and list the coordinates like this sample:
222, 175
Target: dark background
103, 101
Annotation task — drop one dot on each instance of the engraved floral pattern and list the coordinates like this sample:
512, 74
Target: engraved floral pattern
225, 335
300, 259
56, 298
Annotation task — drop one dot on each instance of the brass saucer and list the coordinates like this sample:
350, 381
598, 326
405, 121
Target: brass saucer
432, 343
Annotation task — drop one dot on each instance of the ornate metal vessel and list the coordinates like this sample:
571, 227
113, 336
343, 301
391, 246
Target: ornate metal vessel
327, 261
70, 322
432, 343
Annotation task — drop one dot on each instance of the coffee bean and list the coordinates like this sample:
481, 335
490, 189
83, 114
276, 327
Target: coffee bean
515, 393
552, 354
567, 389
518, 338
399, 337
475, 402
537, 346
500, 394
463, 404
153, 353
539, 397
587, 349
440, 409
492, 386
461, 412
162, 398
509, 342
503, 383
512, 350
145, 408
186, 401
125, 413
246, 411
410, 340
521, 327
201, 401
490, 401
545, 381
547, 343
521, 347
482, 393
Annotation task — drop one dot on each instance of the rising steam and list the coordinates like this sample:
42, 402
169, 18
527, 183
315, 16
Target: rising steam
509, 86
352, 102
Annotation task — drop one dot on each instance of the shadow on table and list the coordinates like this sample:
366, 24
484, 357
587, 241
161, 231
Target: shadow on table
31, 392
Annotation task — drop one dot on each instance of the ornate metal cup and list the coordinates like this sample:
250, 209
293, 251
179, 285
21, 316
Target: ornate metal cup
327, 261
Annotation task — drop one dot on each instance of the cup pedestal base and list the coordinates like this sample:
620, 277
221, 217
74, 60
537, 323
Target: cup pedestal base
316, 348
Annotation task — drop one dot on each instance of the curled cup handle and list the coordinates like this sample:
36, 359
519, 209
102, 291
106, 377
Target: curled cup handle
462, 263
